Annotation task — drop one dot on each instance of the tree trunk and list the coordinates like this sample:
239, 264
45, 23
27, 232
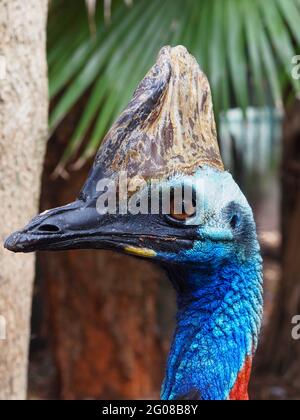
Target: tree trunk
285, 361
103, 308
23, 128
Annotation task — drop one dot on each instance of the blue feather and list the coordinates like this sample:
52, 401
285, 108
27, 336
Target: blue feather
219, 294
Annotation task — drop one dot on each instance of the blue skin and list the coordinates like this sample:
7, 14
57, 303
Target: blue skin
219, 293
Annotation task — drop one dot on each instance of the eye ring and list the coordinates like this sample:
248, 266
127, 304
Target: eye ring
179, 218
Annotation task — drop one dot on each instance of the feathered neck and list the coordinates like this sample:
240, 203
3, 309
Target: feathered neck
218, 322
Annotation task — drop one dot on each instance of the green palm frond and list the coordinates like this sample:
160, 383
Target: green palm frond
245, 47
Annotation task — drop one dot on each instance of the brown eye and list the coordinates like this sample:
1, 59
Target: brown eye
186, 211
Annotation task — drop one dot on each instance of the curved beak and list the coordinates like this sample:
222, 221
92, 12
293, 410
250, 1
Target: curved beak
58, 228
75, 225
78, 225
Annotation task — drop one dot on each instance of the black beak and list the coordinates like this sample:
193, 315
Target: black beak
76, 225
79, 226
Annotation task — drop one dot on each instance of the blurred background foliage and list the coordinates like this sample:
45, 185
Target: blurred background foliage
102, 322
102, 49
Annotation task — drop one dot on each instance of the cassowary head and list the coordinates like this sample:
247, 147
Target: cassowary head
157, 188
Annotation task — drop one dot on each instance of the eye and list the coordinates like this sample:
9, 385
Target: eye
182, 211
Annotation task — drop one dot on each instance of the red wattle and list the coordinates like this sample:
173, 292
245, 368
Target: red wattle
240, 388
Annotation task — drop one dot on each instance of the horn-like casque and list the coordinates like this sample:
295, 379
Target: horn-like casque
168, 127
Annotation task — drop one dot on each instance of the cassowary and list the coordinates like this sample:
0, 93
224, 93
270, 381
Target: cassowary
209, 250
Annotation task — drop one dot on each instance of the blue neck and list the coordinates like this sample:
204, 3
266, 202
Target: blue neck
218, 321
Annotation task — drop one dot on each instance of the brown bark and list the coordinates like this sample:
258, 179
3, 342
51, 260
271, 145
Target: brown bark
103, 315
23, 128
282, 352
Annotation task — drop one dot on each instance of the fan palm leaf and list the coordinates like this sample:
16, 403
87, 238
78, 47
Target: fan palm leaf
245, 47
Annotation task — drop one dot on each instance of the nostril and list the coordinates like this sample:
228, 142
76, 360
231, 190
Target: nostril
48, 228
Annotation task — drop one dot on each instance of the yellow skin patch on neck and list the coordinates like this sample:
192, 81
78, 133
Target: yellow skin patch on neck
141, 252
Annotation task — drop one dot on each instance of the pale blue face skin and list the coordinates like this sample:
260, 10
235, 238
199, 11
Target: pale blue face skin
215, 190
223, 220
219, 291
